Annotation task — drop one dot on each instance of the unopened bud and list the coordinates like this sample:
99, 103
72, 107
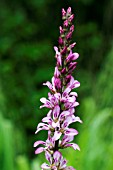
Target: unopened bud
72, 45
63, 12
68, 78
69, 10
72, 28
63, 71
60, 41
69, 35
56, 72
66, 23
64, 50
71, 18
61, 30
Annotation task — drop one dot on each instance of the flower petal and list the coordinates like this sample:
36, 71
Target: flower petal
64, 114
71, 99
66, 91
48, 157
43, 100
48, 84
74, 94
56, 112
45, 166
71, 132
57, 135
75, 104
39, 150
62, 163
69, 168
38, 143
49, 113
42, 126
57, 156
47, 119
67, 139
73, 145
56, 73
77, 119
54, 125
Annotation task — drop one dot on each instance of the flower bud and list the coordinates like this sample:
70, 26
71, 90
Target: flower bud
60, 41
72, 65
72, 28
71, 18
56, 73
69, 11
63, 12
72, 45
57, 83
68, 78
69, 35
63, 71
61, 30
64, 50
66, 23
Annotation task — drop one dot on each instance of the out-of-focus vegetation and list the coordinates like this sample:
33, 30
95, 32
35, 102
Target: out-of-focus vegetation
28, 32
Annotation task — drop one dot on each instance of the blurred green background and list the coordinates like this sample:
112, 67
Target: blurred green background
28, 31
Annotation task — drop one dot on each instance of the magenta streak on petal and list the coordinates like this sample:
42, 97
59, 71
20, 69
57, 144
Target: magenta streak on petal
71, 131
75, 84
64, 114
67, 139
63, 163
56, 112
57, 156
48, 156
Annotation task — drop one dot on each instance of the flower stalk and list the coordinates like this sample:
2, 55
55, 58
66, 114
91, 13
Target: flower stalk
61, 101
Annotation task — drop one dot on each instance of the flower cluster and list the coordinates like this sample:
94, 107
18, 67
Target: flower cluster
61, 101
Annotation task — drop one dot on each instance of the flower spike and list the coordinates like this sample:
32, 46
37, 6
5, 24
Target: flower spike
61, 101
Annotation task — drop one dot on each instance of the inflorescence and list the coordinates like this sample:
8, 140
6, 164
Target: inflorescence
61, 101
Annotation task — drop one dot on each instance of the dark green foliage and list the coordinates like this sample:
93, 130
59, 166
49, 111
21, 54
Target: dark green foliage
104, 86
28, 32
